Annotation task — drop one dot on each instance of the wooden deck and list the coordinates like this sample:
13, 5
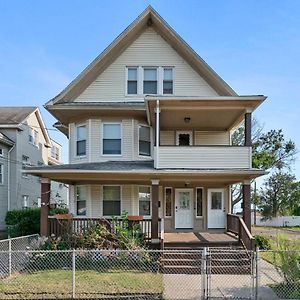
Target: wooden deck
197, 239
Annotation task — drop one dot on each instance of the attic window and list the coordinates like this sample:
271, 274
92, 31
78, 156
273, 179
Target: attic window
150, 80
132, 81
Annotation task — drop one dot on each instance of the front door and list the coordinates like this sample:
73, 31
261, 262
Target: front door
215, 208
184, 208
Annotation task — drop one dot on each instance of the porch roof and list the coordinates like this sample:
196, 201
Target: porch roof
139, 172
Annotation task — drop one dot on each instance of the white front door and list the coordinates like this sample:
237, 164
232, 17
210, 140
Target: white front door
184, 208
215, 208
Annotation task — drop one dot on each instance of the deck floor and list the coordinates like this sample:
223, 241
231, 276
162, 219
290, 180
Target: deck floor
199, 238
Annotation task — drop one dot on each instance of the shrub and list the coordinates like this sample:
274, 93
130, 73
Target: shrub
58, 211
262, 242
23, 221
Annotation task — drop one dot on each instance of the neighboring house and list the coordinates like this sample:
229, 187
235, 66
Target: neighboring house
149, 126
24, 141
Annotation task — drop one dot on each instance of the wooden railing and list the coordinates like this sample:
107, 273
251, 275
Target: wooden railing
79, 225
236, 225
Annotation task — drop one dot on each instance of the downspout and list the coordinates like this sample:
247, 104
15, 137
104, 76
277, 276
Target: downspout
157, 134
8, 177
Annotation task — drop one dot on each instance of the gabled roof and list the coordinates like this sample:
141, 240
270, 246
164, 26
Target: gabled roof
15, 117
149, 17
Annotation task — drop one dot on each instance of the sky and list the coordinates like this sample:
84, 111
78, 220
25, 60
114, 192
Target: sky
253, 45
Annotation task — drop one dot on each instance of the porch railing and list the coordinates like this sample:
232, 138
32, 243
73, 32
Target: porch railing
79, 225
236, 225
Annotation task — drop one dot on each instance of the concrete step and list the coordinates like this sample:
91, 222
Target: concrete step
181, 262
181, 270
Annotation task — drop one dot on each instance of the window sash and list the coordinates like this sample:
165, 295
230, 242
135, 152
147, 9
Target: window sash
81, 147
150, 81
112, 141
144, 141
111, 200
81, 199
81, 140
144, 201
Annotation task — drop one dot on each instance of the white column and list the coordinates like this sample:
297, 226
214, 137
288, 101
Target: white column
157, 131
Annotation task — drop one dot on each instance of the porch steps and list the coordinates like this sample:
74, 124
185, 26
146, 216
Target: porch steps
225, 260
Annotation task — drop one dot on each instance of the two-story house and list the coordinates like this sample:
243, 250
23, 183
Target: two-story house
24, 141
149, 126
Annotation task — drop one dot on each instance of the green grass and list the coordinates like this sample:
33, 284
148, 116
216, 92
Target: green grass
296, 229
58, 283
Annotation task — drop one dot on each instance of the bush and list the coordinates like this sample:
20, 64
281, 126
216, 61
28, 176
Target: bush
23, 221
262, 242
58, 211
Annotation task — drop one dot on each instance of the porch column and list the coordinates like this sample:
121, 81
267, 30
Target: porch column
154, 201
248, 139
45, 205
247, 204
157, 133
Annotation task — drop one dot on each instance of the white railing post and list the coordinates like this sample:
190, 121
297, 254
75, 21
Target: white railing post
204, 292
157, 130
73, 274
256, 274
9, 257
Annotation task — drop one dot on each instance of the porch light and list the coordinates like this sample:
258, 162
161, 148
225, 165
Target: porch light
187, 120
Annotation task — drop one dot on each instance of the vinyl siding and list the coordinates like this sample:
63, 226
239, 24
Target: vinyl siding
212, 138
149, 49
167, 137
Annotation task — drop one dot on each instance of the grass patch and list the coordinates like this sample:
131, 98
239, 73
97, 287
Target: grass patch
296, 229
58, 283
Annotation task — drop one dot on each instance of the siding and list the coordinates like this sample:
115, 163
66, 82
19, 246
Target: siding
212, 138
167, 137
205, 157
149, 49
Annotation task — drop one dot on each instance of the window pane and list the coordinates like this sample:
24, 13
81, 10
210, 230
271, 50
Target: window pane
112, 146
216, 200
150, 74
144, 148
144, 201
168, 87
150, 87
144, 208
81, 147
112, 208
132, 87
111, 193
168, 74
81, 192
81, 133
144, 133
81, 208
168, 199
199, 202
111, 131
132, 73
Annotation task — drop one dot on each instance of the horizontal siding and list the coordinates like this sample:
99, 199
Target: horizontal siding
167, 137
212, 138
149, 49
204, 157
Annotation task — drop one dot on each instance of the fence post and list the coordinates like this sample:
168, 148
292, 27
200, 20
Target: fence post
73, 274
9, 257
256, 273
203, 273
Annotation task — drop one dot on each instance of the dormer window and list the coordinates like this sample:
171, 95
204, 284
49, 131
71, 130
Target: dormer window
150, 81
132, 81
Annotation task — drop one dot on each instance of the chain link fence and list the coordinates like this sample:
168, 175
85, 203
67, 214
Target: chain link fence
208, 273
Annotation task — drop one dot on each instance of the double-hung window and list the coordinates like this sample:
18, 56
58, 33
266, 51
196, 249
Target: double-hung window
112, 139
81, 196
1, 173
144, 141
25, 163
150, 81
168, 81
132, 81
111, 200
81, 140
144, 201
33, 136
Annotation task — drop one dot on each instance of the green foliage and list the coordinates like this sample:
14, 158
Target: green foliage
53, 243
23, 221
58, 210
262, 242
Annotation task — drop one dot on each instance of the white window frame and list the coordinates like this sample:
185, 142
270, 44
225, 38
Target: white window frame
86, 200
190, 132
102, 137
172, 202
196, 202
2, 173
138, 81
25, 175
25, 201
158, 79
121, 200
144, 216
86, 139
151, 142
162, 79
34, 134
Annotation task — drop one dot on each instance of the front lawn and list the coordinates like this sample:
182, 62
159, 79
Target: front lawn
89, 283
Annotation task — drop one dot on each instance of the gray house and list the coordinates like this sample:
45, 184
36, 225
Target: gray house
24, 141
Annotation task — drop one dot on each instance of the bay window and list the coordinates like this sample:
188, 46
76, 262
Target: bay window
111, 139
144, 141
81, 140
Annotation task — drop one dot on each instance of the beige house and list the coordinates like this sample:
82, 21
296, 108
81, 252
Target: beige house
149, 126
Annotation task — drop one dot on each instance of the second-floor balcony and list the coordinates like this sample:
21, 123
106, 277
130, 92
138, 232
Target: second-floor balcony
206, 157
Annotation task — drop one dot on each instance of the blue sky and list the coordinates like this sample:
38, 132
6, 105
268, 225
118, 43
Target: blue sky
253, 45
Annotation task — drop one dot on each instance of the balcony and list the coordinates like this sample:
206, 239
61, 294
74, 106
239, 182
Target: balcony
204, 157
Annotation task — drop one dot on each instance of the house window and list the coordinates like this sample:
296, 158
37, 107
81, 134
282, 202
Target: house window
81, 140
55, 152
199, 202
33, 136
81, 197
150, 81
168, 202
112, 139
25, 163
25, 201
111, 200
144, 141
132, 81
168, 81
144, 201
1, 173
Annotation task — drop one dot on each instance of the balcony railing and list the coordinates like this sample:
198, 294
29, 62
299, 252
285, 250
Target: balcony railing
206, 157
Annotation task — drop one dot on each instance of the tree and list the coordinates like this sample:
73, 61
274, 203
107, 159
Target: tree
280, 195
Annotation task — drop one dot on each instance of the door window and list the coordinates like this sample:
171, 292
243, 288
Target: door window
184, 200
216, 200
